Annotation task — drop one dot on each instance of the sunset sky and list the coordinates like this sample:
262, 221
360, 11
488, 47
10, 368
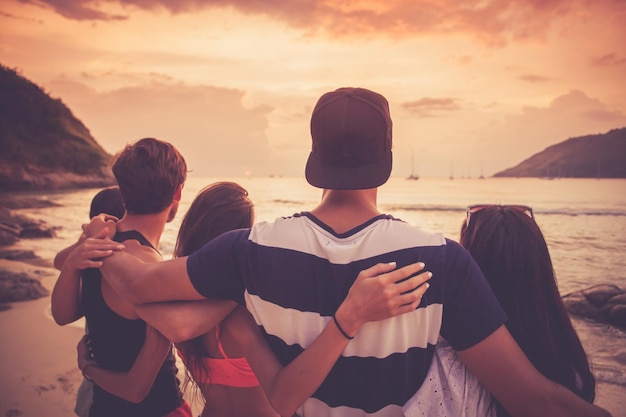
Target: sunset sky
473, 84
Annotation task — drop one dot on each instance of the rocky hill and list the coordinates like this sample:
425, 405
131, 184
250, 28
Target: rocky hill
42, 144
592, 156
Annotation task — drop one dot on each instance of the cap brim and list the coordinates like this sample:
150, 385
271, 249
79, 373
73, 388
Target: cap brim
333, 177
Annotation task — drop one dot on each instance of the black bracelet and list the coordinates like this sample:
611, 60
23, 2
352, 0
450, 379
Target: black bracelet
341, 330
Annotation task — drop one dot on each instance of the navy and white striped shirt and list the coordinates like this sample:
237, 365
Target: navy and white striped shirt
292, 274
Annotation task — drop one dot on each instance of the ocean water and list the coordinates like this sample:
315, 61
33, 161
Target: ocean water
583, 220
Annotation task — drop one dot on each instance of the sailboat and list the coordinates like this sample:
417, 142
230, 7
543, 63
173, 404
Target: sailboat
413, 175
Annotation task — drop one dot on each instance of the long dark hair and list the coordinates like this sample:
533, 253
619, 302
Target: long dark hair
513, 255
218, 208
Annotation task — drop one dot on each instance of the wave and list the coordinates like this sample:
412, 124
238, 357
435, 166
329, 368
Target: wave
287, 202
543, 211
609, 375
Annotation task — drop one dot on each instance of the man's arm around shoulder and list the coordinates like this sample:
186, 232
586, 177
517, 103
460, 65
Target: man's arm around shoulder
141, 282
500, 364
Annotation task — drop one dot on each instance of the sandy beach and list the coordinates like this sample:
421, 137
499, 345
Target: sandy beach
39, 375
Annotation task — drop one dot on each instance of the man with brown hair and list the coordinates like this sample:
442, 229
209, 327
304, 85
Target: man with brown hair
150, 174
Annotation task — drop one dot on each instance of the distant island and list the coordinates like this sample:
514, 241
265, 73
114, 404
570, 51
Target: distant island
592, 156
42, 144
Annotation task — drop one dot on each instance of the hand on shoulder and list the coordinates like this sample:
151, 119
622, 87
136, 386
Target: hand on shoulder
91, 251
100, 222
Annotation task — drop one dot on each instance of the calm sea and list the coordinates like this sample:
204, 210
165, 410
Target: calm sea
583, 220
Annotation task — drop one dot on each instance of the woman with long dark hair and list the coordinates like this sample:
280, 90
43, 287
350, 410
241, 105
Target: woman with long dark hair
512, 253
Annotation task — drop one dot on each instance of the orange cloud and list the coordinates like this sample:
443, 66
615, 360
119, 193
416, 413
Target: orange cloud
77, 10
429, 107
24, 18
493, 21
534, 78
608, 60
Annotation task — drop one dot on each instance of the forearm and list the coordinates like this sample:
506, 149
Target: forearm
179, 321
563, 402
65, 299
549, 399
302, 377
505, 371
116, 383
135, 384
59, 259
286, 387
375, 295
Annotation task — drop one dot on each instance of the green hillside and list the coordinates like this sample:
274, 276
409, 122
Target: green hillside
592, 156
42, 144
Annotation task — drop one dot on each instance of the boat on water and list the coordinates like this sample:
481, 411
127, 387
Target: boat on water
413, 176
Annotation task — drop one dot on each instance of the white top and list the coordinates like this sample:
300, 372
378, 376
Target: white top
450, 389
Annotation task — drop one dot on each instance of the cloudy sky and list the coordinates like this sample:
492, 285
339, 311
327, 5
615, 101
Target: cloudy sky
473, 84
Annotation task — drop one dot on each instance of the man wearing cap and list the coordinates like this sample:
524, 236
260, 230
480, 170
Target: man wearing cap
293, 273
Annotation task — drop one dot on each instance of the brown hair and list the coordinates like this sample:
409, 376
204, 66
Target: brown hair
218, 208
149, 172
513, 255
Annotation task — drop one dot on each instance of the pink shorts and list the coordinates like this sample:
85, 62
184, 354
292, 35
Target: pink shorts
183, 411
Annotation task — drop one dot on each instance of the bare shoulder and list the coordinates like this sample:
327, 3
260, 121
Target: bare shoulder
143, 252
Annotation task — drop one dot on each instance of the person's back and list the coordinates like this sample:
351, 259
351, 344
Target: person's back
150, 174
115, 343
298, 269
228, 385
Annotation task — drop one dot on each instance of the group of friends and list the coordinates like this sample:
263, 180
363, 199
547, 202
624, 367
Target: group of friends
337, 311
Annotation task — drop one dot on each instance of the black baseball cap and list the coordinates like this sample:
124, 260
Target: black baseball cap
351, 132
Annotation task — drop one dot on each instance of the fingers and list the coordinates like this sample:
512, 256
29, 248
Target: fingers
88, 263
96, 254
90, 253
409, 301
108, 217
405, 278
100, 244
376, 270
97, 224
413, 282
405, 272
101, 234
406, 295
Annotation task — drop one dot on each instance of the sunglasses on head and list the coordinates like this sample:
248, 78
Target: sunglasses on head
475, 208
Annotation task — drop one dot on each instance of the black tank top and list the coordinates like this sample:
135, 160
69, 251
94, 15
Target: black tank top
116, 342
